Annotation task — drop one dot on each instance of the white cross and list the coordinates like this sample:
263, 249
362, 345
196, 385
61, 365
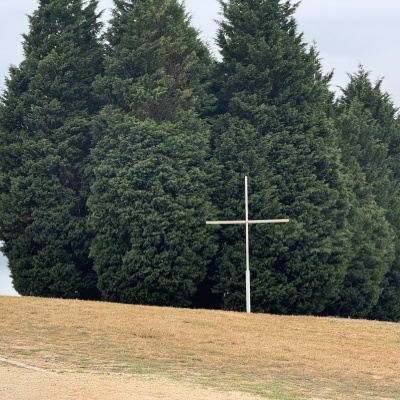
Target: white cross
247, 222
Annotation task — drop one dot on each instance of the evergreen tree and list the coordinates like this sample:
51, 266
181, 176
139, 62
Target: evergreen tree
45, 124
273, 125
375, 132
372, 237
150, 198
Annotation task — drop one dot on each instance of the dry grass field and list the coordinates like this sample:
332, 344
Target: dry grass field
105, 351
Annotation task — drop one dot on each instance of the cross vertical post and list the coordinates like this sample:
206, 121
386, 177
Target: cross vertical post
246, 222
246, 202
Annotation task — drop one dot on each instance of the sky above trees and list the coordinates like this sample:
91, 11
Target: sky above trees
346, 33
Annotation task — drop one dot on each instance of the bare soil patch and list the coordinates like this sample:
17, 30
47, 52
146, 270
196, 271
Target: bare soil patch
97, 350
21, 384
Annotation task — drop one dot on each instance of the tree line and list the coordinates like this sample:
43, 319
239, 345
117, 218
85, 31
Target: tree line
117, 143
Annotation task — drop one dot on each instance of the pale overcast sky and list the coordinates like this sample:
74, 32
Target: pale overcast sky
346, 33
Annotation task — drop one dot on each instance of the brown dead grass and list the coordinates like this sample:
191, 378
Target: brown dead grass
278, 357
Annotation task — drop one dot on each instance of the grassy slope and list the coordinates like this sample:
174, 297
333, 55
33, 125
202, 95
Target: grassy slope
279, 357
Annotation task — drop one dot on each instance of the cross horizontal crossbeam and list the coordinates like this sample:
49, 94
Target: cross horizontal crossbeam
254, 221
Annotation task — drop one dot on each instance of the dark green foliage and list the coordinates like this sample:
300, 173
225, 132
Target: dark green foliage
372, 237
371, 252
156, 64
150, 198
273, 126
371, 134
44, 123
151, 244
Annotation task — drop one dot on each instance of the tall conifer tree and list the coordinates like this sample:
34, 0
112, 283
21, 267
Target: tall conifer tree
273, 125
372, 236
44, 120
373, 126
150, 195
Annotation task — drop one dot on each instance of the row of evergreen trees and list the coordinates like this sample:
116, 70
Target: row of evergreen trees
116, 148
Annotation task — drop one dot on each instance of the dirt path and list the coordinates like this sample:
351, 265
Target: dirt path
19, 383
